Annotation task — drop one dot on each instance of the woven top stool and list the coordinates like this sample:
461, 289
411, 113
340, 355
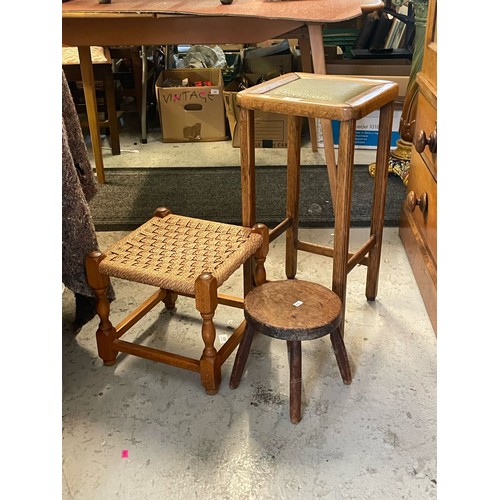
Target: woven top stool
294, 311
181, 256
325, 97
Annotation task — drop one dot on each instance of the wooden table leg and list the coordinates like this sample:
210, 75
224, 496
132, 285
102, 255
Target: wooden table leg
343, 212
305, 58
379, 195
318, 58
91, 106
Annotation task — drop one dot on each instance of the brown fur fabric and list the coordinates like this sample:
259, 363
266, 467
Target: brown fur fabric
78, 188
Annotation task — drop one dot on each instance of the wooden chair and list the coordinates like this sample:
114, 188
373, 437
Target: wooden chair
103, 72
181, 256
294, 311
323, 97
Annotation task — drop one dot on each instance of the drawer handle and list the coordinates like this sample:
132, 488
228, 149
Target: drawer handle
412, 201
421, 141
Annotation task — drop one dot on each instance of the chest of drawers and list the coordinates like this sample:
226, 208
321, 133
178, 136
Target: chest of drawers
418, 226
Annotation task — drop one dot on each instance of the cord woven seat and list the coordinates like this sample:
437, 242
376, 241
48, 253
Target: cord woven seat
182, 256
171, 252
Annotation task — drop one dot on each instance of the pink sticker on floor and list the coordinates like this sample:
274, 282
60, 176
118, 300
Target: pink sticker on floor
124, 453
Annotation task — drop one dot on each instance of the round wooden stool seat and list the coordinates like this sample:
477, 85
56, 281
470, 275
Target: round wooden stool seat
292, 310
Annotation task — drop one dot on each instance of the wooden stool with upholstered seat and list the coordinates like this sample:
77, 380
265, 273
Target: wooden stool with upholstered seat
103, 72
294, 311
324, 97
181, 256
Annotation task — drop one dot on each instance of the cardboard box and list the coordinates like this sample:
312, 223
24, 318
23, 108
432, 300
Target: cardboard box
270, 128
191, 113
366, 130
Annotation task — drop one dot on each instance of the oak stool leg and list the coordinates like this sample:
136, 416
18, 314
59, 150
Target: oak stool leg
106, 332
206, 303
292, 196
341, 355
241, 356
259, 278
379, 196
295, 350
342, 203
169, 300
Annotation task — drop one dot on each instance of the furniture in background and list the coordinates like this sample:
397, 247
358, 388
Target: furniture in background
102, 68
170, 22
418, 227
324, 97
399, 161
294, 311
181, 256
133, 79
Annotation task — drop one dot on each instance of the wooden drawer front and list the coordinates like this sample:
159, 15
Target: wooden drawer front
421, 181
426, 122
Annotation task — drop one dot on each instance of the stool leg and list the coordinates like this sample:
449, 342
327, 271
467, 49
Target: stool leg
206, 303
261, 254
379, 195
109, 90
241, 357
292, 193
341, 356
247, 158
170, 297
169, 300
343, 193
295, 350
106, 332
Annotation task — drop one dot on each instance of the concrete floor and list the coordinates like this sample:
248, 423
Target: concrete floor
374, 439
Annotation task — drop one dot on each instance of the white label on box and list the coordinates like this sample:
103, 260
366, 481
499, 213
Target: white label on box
366, 131
214, 91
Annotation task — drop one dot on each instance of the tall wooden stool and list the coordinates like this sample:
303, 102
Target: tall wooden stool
181, 256
294, 311
325, 97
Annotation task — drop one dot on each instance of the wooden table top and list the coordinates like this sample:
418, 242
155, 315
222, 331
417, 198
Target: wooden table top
303, 10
